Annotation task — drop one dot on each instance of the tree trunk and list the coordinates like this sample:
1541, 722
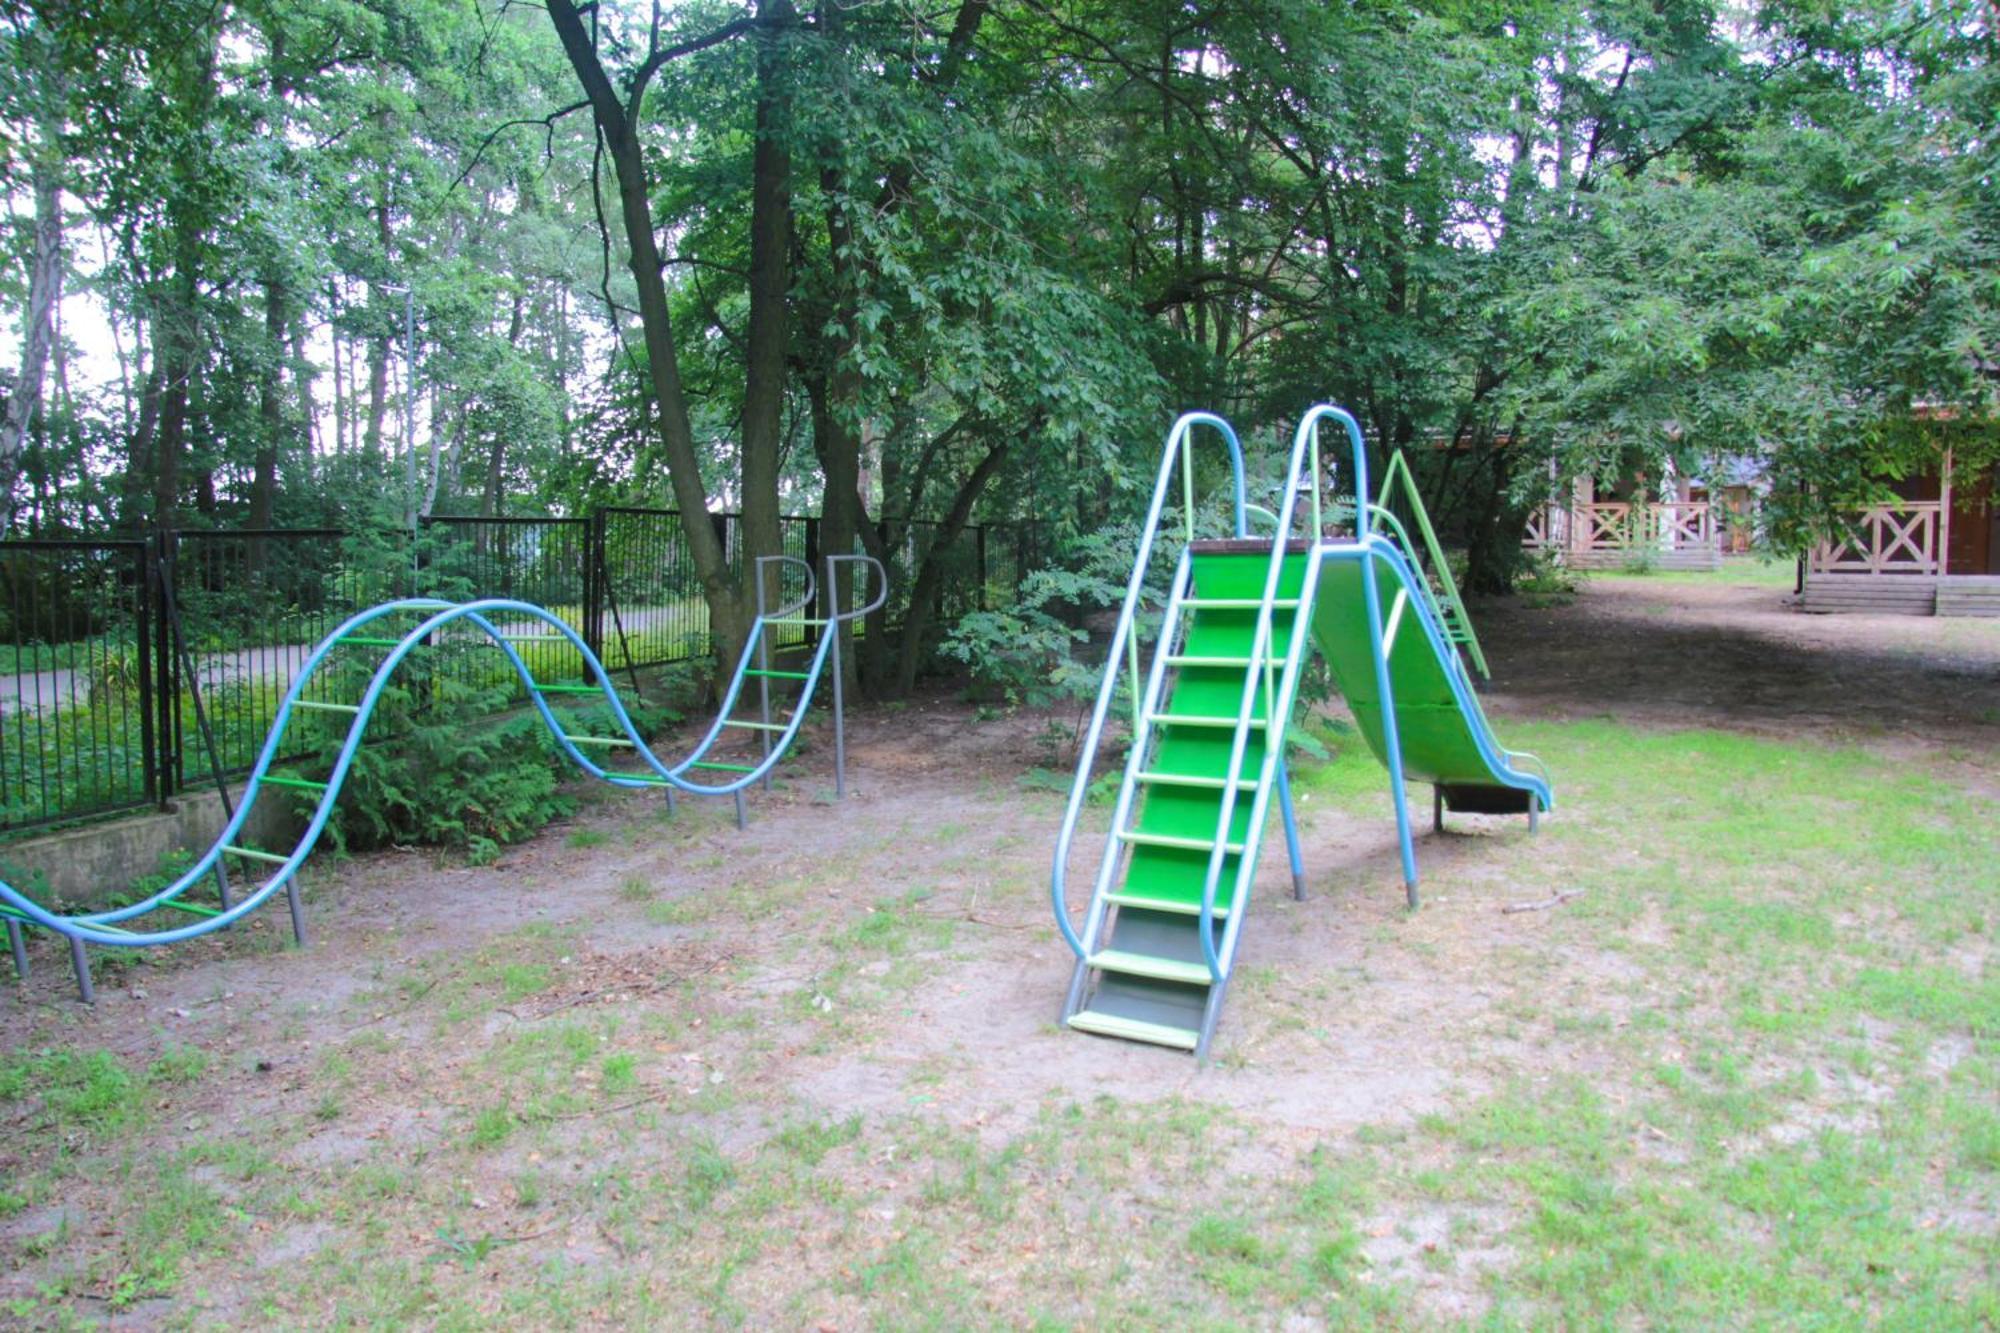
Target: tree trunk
770, 282
378, 344
38, 326
728, 624
930, 575
139, 454
270, 408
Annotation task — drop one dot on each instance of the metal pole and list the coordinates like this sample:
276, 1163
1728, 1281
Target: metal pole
839, 694
173, 628
81, 962
764, 669
20, 948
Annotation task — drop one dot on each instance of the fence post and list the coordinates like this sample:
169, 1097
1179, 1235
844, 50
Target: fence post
596, 571
165, 552
824, 598
151, 763
979, 544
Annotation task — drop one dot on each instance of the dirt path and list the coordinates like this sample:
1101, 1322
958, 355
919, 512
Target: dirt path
1728, 655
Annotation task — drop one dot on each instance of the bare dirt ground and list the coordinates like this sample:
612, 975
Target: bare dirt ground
552, 1051
1735, 655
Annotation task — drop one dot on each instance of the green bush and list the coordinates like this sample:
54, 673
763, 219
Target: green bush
459, 766
1027, 654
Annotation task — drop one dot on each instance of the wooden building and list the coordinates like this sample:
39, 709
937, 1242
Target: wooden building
1623, 525
1934, 551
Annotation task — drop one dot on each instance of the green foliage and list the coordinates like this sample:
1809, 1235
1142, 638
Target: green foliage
1027, 654
461, 773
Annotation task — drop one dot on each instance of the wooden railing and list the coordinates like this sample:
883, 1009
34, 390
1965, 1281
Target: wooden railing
1680, 525
1887, 539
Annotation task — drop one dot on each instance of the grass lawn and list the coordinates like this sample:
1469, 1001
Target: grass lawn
1748, 571
808, 1076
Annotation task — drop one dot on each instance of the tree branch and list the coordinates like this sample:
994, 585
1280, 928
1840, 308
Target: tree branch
547, 122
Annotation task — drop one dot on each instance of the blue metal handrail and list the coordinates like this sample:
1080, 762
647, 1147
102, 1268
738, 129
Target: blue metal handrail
1124, 651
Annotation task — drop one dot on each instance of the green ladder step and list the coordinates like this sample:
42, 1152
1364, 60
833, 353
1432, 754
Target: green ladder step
596, 740
540, 688
778, 675
1198, 720
252, 854
318, 707
796, 620
363, 641
1184, 844
724, 768
1197, 660
1145, 965
755, 726
303, 784
1239, 603
1132, 1029
1126, 898
1189, 780
192, 909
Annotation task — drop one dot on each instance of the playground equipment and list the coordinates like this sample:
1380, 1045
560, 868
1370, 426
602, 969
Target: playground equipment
1208, 731
507, 625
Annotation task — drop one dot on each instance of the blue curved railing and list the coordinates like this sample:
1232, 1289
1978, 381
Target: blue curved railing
103, 927
1123, 658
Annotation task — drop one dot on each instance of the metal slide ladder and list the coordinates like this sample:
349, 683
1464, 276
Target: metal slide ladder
1445, 599
524, 625
1209, 725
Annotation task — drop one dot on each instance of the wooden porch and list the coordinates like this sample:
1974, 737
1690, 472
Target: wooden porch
1916, 557
1675, 534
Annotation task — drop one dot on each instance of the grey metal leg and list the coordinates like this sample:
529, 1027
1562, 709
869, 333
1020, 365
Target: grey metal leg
1290, 820
839, 689
222, 885
80, 960
19, 945
673, 800
742, 813
1534, 814
1437, 809
298, 912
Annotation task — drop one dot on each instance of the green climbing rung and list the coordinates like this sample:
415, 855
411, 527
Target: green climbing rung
1127, 898
1194, 660
1146, 965
318, 707
779, 675
568, 689
1239, 603
303, 784
1189, 780
1182, 844
724, 768
252, 854
1197, 720
796, 620
1133, 1029
754, 726
361, 641
193, 909
596, 740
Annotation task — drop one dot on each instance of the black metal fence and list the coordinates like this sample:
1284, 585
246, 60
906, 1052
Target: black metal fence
107, 648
